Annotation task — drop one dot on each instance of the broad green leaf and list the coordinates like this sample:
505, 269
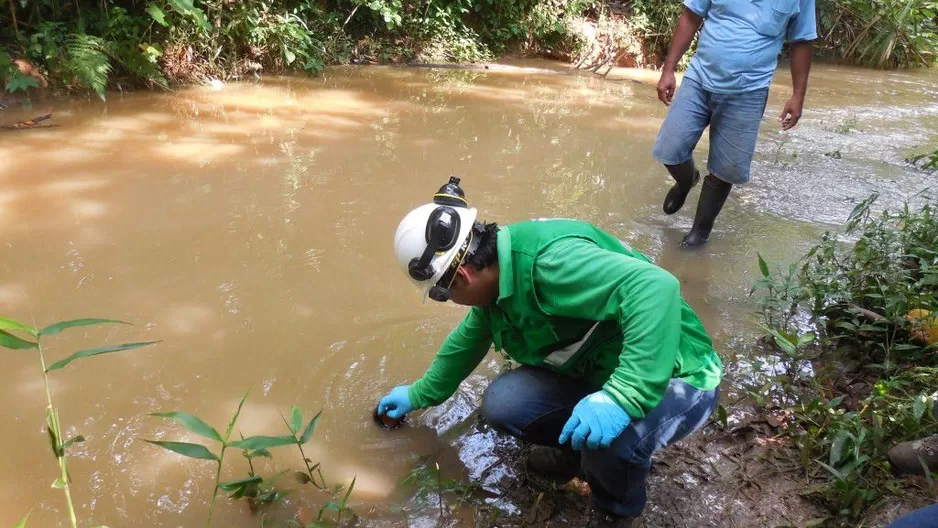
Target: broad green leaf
97, 352
837, 448
192, 423
763, 267
308, 433
918, 407
289, 56
263, 442
8, 340
234, 418
721, 415
22, 524
64, 325
806, 339
297, 420
10, 324
157, 14
21, 82
186, 449
233, 485
59, 483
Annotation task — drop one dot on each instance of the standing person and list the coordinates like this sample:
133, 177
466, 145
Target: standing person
726, 88
614, 364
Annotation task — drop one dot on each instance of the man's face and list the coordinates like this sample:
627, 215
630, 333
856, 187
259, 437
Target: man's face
472, 288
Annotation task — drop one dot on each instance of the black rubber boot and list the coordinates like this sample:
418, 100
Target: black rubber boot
686, 177
560, 465
599, 519
712, 197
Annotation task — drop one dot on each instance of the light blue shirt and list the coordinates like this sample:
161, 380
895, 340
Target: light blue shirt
738, 47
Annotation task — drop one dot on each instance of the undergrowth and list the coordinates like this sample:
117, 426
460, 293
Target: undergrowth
860, 307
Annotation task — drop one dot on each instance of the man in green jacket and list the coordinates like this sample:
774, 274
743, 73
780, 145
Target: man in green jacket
614, 364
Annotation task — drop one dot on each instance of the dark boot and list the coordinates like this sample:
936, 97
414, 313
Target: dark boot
599, 519
686, 177
560, 465
712, 197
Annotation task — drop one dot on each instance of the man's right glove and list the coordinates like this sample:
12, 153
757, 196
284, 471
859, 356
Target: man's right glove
396, 404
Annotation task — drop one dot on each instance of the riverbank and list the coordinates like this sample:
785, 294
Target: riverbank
162, 44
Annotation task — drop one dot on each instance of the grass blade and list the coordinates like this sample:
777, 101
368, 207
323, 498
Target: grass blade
64, 325
97, 352
22, 524
308, 433
186, 449
297, 420
263, 442
192, 423
234, 418
8, 340
10, 324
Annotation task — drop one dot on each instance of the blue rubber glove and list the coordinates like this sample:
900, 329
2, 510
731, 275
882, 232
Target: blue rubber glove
597, 420
396, 404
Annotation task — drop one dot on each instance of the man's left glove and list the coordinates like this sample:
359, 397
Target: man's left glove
597, 420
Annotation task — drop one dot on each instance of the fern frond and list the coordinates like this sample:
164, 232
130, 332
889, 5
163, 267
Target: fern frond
88, 62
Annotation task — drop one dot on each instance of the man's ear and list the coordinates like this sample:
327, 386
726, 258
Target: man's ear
464, 274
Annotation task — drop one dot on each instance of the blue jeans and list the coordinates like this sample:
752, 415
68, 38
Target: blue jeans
534, 403
733, 119
923, 518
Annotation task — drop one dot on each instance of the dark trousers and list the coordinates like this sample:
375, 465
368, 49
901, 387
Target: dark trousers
533, 404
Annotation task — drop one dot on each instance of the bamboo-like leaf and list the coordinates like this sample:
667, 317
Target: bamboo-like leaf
308, 433
97, 352
50, 430
78, 439
263, 442
837, 448
10, 324
186, 449
234, 418
64, 325
192, 423
763, 267
233, 485
351, 486
259, 453
8, 340
22, 524
297, 420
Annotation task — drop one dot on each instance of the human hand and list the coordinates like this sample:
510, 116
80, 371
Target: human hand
597, 420
791, 113
396, 404
666, 87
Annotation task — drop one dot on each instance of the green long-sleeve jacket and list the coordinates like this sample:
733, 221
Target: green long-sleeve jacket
574, 299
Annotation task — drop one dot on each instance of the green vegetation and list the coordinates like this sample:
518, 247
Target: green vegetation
94, 46
257, 490
862, 313
33, 340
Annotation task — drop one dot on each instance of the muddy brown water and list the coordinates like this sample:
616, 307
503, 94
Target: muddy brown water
250, 228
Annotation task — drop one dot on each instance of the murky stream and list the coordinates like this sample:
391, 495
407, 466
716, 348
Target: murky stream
250, 229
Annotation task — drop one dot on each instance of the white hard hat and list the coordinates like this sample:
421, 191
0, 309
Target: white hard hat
449, 228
